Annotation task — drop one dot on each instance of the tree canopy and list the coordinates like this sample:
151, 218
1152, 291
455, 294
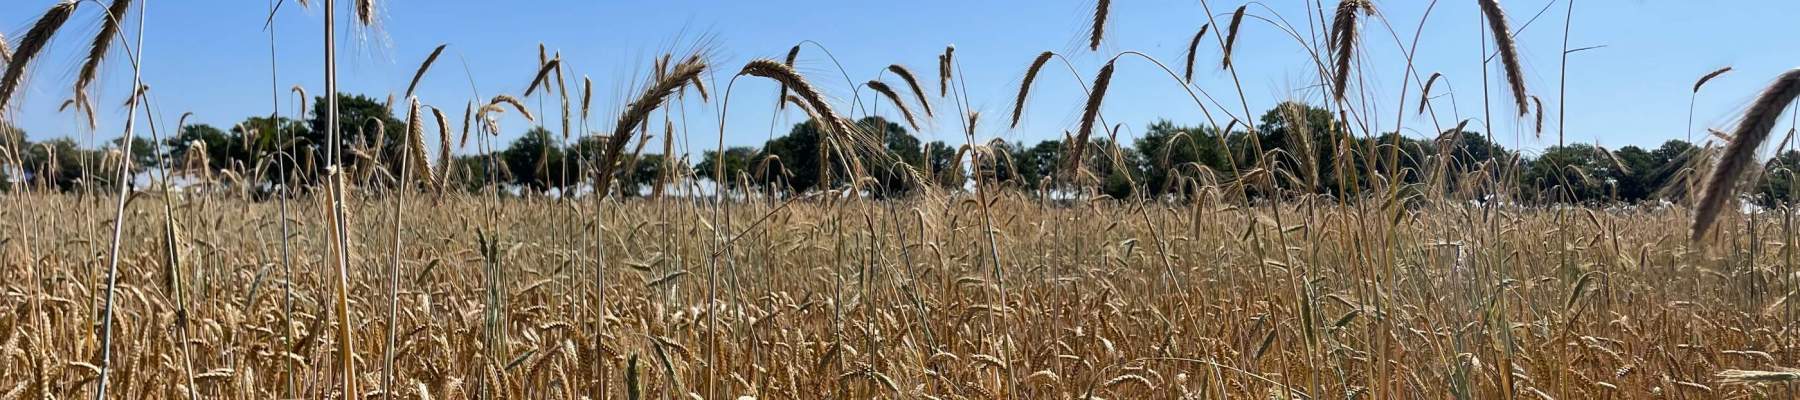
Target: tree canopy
1306, 149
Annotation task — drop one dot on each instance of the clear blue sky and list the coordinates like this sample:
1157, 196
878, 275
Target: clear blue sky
211, 57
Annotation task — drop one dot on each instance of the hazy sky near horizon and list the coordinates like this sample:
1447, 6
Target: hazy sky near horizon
212, 57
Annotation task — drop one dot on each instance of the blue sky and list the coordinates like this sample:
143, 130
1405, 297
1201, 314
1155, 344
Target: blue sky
211, 57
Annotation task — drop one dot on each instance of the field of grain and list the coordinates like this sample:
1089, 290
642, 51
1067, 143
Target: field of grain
1311, 255
903, 300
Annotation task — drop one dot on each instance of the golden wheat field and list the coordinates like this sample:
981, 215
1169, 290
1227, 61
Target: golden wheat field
550, 245
854, 299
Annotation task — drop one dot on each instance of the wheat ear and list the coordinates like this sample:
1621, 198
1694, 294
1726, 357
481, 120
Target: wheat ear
29, 47
1509, 53
425, 66
912, 82
1088, 115
1751, 132
1037, 65
886, 91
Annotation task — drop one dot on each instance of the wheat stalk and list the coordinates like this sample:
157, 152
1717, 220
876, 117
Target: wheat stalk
815, 101
415, 145
1540, 115
515, 103
587, 97
463, 139
300, 91
412, 153
1695, 95
562, 94
1779, 375
112, 274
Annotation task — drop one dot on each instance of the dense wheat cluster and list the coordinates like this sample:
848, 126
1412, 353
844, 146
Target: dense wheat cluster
894, 300
1301, 253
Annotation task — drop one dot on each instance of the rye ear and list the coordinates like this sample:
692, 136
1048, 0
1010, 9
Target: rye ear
1750, 134
29, 47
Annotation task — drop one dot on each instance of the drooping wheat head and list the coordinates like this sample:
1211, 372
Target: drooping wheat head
1709, 77
1754, 128
1088, 115
1231, 33
912, 82
1097, 33
1192, 50
1343, 34
29, 46
1037, 65
1425, 94
888, 92
97, 51
1509, 53
424, 66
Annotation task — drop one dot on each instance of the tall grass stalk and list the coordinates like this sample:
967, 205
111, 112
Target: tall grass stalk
112, 274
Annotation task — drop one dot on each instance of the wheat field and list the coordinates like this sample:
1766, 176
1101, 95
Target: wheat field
367, 249
900, 300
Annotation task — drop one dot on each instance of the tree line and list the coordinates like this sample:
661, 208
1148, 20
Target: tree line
1304, 149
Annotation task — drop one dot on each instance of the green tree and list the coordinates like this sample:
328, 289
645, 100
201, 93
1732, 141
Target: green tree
143, 152
1411, 154
1044, 160
800, 153
1573, 173
647, 172
1009, 165
737, 163
476, 172
1172, 150
1776, 187
1461, 153
220, 150
1669, 159
536, 161
57, 163
271, 134
357, 116
1117, 168
942, 166
898, 168
1305, 134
